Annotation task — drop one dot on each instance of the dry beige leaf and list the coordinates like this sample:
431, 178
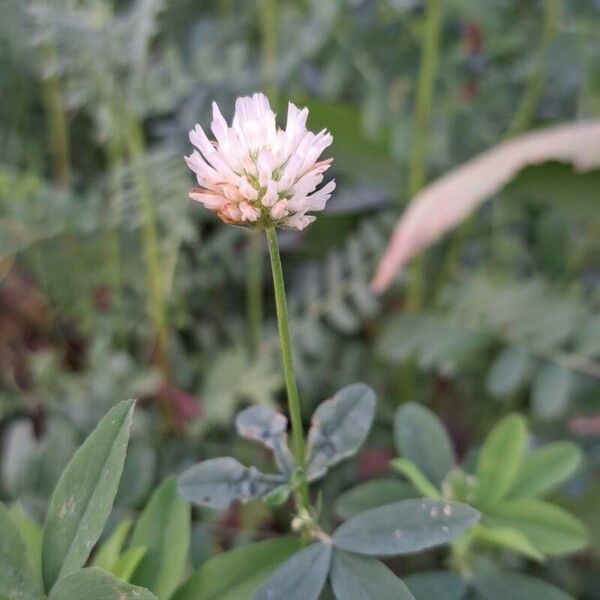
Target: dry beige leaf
446, 202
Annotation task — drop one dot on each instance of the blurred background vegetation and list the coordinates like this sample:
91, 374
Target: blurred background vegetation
114, 285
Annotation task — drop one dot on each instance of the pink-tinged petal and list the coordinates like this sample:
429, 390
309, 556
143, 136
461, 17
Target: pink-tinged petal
206, 175
318, 200
230, 213
290, 172
200, 140
298, 221
307, 184
279, 210
230, 191
321, 141
296, 120
265, 164
318, 167
246, 190
210, 200
249, 213
271, 196
219, 126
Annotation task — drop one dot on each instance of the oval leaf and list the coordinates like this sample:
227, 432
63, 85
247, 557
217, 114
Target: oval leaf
358, 578
302, 577
84, 495
163, 529
551, 391
436, 585
545, 469
549, 528
239, 573
509, 372
500, 460
421, 438
372, 494
97, 584
500, 585
18, 576
405, 527
339, 428
218, 482
264, 425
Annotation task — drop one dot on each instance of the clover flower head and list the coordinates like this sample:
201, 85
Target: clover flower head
257, 175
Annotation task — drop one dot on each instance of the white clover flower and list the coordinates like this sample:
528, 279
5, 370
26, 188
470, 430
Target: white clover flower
256, 174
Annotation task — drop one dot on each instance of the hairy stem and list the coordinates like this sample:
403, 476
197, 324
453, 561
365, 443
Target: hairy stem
288, 366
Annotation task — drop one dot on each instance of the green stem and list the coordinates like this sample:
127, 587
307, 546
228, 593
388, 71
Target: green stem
115, 162
135, 139
533, 89
288, 367
57, 120
430, 51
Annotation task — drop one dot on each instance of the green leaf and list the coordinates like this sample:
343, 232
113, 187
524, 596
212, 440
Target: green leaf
509, 372
422, 439
163, 529
301, 577
545, 469
405, 527
218, 482
436, 585
238, 574
84, 495
416, 477
549, 528
267, 427
97, 584
128, 562
372, 494
358, 578
31, 533
278, 496
507, 538
551, 391
500, 460
109, 552
19, 578
500, 585
339, 428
